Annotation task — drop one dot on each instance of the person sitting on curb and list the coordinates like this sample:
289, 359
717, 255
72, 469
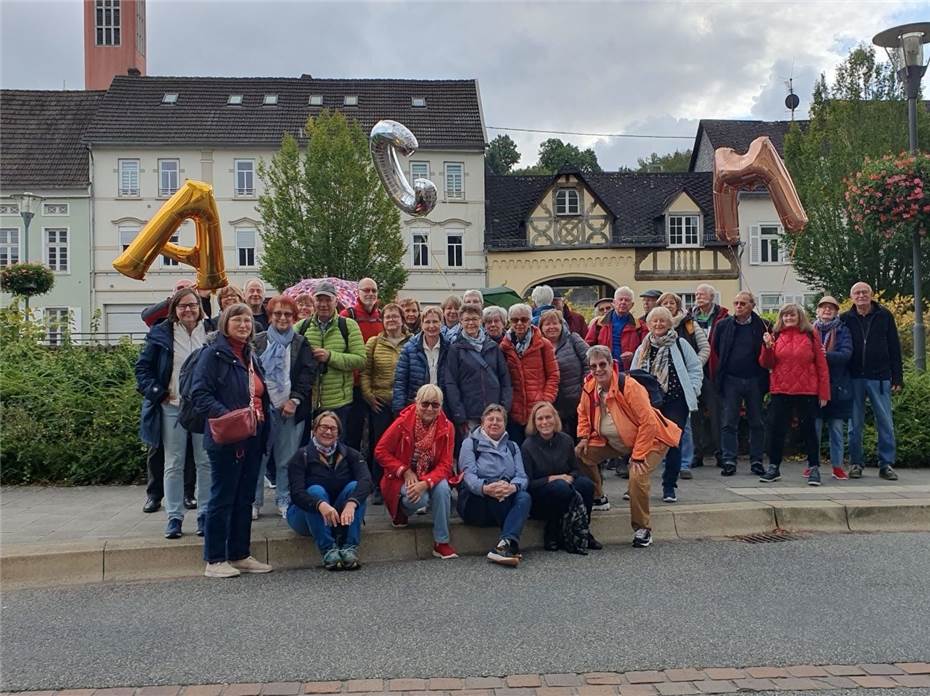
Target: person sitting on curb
494, 484
615, 419
329, 488
415, 454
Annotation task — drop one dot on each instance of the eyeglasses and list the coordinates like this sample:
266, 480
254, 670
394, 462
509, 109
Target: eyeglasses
189, 306
430, 404
599, 365
740, 303
327, 428
519, 320
278, 315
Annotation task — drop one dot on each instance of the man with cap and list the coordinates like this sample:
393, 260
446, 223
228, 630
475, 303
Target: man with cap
576, 322
338, 348
650, 298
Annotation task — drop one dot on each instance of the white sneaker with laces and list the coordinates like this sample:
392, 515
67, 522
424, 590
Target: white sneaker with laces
220, 570
250, 565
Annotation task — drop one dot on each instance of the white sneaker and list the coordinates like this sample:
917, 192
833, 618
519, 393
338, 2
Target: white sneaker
601, 503
282, 509
221, 570
250, 565
255, 512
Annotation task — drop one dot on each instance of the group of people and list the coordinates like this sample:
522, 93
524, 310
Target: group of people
504, 414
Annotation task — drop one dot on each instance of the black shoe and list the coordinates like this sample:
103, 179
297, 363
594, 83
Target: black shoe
728, 469
887, 473
173, 530
190, 503
696, 462
551, 536
377, 498
505, 553
772, 475
756, 469
151, 505
593, 543
642, 538
201, 523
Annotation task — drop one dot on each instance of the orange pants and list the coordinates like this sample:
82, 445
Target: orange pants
639, 480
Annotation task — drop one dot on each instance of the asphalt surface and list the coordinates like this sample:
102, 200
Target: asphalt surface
824, 599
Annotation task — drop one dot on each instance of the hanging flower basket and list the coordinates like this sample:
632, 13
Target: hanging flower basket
27, 279
891, 196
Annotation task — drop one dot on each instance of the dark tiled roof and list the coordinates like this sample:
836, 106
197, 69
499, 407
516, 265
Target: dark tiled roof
40, 138
132, 112
637, 201
739, 134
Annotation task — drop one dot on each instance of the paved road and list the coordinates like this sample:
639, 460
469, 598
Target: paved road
826, 599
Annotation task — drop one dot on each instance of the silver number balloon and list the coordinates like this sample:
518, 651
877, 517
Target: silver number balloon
386, 140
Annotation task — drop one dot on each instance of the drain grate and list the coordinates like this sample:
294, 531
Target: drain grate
770, 537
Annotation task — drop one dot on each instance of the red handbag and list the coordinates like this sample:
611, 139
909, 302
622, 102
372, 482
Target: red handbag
237, 425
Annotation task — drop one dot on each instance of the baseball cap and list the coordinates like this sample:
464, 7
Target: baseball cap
325, 288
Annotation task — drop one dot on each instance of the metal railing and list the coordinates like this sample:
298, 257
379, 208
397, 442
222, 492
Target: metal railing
54, 338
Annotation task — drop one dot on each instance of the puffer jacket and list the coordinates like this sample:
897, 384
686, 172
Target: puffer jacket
412, 371
571, 355
798, 364
334, 386
534, 376
471, 386
600, 333
377, 377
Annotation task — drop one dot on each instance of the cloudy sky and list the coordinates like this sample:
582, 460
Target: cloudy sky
651, 68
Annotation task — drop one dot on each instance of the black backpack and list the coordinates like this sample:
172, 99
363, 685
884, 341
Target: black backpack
649, 382
189, 419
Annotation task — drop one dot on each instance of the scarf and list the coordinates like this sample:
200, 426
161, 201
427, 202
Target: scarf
325, 451
521, 345
476, 342
424, 439
659, 366
677, 319
273, 359
827, 331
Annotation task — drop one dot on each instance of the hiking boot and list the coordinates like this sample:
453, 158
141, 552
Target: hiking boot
221, 569
728, 469
601, 503
349, 555
642, 538
685, 474
173, 530
839, 473
505, 553
855, 471
887, 473
332, 560
250, 565
813, 477
444, 550
770, 476
756, 469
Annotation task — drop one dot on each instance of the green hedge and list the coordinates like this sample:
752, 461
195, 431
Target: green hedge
70, 414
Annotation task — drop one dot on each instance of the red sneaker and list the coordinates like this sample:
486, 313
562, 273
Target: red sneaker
839, 473
807, 472
444, 551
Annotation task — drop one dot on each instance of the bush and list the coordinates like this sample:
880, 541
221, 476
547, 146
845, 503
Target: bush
70, 414
911, 409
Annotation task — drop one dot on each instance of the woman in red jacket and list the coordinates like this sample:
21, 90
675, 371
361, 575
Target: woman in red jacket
534, 371
416, 455
800, 382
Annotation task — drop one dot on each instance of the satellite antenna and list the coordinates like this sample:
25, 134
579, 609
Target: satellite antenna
791, 101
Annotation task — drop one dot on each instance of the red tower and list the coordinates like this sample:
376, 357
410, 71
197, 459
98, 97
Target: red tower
114, 40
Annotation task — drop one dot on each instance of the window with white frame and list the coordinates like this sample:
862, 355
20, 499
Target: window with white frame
419, 170
765, 245
106, 22
58, 324
245, 177
567, 202
687, 299
454, 248
169, 177
55, 209
770, 301
245, 247
129, 177
9, 208
127, 233
56, 249
167, 261
455, 181
684, 230
420, 247
9, 246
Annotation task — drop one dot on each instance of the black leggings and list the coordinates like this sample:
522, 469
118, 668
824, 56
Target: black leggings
781, 406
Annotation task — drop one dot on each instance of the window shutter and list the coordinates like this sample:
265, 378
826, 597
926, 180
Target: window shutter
755, 250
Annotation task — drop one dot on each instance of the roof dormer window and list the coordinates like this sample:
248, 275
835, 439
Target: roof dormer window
270, 100
418, 102
169, 98
350, 100
234, 100
316, 100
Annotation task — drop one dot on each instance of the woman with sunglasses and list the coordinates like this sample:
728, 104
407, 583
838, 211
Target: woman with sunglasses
290, 372
415, 453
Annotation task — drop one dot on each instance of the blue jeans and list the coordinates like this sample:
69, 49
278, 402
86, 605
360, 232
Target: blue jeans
283, 443
737, 390
311, 523
509, 514
878, 392
174, 444
228, 529
439, 499
836, 427
676, 411
687, 445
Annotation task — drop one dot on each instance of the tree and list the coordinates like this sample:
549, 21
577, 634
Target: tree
325, 213
677, 161
502, 154
554, 154
862, 114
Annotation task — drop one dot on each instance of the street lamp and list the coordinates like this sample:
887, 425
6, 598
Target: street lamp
905, 48
28, 202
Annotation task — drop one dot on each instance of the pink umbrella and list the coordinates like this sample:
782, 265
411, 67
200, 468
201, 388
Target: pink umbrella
346, 290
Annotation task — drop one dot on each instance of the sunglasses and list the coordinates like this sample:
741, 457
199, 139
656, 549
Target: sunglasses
520, 320
282, 314
740, 304
430, 404
599, 365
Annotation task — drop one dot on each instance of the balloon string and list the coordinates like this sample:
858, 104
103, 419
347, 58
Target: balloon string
744, 281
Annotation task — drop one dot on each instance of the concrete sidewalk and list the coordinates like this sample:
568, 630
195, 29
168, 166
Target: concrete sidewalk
100, 533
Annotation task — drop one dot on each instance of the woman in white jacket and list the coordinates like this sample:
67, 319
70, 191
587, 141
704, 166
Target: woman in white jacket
677, 368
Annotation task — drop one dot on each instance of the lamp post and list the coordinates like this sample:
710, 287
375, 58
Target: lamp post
27, 204
905, 48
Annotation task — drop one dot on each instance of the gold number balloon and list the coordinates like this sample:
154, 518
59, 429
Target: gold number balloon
760, 166
388, 138
193, 201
